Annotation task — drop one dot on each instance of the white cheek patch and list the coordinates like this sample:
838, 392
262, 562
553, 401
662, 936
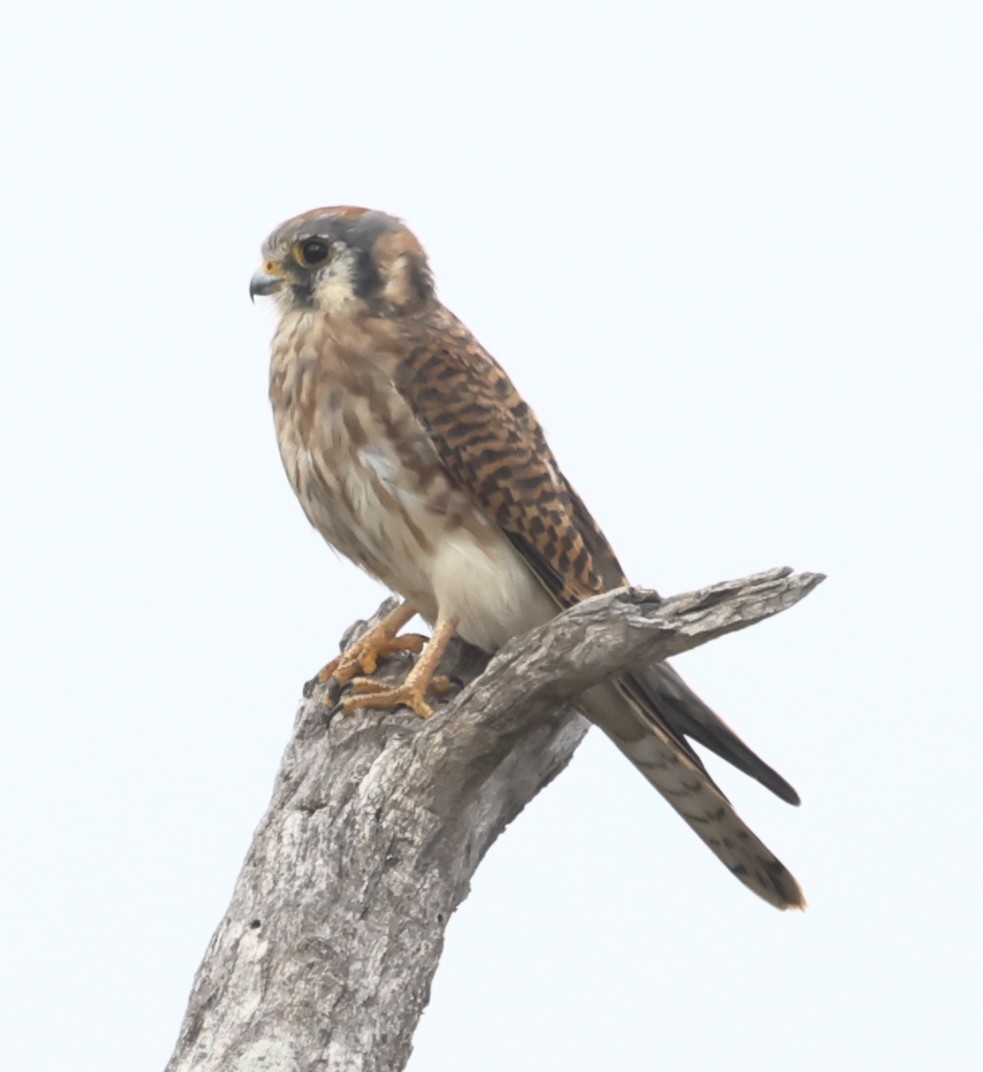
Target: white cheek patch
335, 290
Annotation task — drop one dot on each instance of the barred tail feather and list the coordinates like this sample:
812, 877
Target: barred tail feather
673, 768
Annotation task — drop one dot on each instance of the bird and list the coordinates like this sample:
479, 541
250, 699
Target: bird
413, 455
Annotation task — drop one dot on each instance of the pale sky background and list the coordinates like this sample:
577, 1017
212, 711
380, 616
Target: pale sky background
731, 253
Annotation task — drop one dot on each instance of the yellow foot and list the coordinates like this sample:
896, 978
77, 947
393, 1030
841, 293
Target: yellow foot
411, 694
363, 658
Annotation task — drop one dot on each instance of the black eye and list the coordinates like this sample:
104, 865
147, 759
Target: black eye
313, 252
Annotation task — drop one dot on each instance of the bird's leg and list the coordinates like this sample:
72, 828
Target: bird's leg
362, 657
412, 693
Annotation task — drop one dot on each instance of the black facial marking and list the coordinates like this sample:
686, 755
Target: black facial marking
366, 280
303, 292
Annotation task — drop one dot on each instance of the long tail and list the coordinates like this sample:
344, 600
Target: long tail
646, 714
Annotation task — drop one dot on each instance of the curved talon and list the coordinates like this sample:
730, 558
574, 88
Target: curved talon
368, 694
327, 672
362, 657
412, 692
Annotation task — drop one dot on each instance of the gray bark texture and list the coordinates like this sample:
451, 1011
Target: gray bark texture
324, 960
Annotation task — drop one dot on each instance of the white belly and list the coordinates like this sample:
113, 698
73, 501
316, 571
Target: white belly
489, 589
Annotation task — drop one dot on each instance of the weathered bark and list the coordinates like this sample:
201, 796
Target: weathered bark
324, 959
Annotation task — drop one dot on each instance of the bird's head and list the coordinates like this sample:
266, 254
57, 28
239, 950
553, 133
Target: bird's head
344, 262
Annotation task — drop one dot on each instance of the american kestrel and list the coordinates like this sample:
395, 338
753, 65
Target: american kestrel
412, 453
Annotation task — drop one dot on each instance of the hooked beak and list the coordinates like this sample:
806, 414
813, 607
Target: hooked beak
264, 282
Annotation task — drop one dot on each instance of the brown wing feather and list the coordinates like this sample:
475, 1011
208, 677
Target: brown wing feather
493, 447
